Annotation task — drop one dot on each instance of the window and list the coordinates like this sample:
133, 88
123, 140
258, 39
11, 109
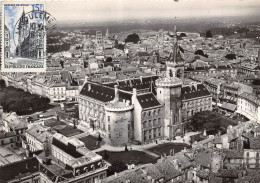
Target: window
150, 123
145, 124
108, 127
154, 122
108, 119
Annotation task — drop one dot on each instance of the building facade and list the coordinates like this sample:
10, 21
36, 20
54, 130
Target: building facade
248, 105
30, 39
7, 43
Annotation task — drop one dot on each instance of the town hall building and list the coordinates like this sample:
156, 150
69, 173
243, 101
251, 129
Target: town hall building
142, 109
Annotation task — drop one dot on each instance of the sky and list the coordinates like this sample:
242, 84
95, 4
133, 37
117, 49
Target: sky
112, 10
12, 14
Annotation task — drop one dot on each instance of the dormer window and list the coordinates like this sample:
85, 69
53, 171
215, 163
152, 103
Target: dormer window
93, 167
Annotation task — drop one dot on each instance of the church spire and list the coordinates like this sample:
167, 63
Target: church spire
107, 34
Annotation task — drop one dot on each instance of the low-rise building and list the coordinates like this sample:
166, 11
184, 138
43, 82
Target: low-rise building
84, 164
248, 105
38, 137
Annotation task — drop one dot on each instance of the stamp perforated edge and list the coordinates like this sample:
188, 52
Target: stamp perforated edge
2, 68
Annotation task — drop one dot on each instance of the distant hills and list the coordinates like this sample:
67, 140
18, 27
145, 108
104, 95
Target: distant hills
218, 25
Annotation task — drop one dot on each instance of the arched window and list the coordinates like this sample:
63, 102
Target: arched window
78, 172
93, 167
100, 164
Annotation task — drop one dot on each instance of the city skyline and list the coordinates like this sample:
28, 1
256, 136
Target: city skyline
116, 10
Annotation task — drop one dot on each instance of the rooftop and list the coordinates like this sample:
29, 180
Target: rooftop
19, 169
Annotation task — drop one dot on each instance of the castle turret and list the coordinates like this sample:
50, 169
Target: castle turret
119, 117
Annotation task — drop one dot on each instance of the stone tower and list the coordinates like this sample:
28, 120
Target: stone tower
169, 95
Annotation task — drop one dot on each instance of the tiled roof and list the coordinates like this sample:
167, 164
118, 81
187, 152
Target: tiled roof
202, 174
190, 92
66, 77
153, 171
217, 140
232, 173
203, 158
254, 143
103, 93
98, 92
147, 100
137, 83
55, 172
143, 54
7, 135
248, 135
10, 171
168, 170
40, 132
233, 154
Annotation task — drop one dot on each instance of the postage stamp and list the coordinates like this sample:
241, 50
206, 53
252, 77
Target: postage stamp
24, 36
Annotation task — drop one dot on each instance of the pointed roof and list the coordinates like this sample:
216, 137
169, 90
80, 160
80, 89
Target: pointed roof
6, 28
175, 55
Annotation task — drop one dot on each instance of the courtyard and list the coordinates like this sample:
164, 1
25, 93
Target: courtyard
128, 157
166, 148
90, 142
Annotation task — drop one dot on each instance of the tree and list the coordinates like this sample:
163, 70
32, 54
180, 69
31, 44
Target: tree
132, 38
2, 84
120, 47
183, 35
201, 53
231, 56
117, 166
205, 120
108, 59
208, 34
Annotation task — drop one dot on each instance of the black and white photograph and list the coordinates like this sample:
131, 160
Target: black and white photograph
130, 91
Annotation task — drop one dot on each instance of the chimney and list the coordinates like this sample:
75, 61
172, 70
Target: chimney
134, 92
89, 87
196, 86
116, 99
141, 79
127, 103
